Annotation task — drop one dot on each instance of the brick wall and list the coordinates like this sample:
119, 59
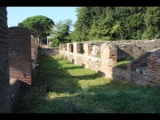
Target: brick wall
16, 52
145, 69
129, 49
4, 69
19, 40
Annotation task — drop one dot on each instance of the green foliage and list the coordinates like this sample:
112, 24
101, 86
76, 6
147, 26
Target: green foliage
39, 25
152, 18
60, 33
85, 18
116, 23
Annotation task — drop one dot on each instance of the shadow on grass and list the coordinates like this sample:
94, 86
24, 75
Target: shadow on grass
88, 77
123, 97
51, 93
52, 75
116, 97
75, 67
107, 98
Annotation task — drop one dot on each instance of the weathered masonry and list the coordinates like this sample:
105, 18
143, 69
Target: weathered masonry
49, 51
5, 96
18, 56
19, 40
144, 67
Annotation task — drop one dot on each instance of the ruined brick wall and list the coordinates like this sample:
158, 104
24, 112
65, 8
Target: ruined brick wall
86, 59
19, 40
118, 74
94, 63
130, 49
142, 70
145, 70
93, 48
126, 49
69, 52
8, 87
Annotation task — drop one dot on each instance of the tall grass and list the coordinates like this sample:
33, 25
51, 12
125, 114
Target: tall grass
58, 81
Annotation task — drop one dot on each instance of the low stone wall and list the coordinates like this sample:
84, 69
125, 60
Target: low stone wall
142, 70
49, 51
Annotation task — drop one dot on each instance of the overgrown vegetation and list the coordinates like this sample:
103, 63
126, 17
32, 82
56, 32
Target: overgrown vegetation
58, 81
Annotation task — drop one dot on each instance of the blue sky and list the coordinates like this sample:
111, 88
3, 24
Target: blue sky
18, 14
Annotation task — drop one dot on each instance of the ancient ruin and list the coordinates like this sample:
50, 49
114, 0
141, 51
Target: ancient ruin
19, 49
143, 68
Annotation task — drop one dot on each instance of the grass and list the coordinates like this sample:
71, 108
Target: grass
98, 55
58, 81
122, 64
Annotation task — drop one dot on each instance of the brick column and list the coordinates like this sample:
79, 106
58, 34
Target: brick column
68, 50
108, 54
75, 51
86, 54
60, 49
108, 58
20, 55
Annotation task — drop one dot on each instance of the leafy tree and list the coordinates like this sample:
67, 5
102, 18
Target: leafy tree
38, 25
85, 20
83, 24
60, 33
116, 23
152, 21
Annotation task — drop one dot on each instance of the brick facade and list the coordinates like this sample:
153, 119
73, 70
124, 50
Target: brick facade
20, 67
4, 69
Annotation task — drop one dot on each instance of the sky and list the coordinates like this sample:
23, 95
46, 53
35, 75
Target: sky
18, 14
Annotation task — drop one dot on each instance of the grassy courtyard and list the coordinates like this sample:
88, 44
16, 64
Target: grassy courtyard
58, 81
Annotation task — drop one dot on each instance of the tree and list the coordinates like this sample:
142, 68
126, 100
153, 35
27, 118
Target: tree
85, 20
60, 32
116, 23
152, 21
38, 25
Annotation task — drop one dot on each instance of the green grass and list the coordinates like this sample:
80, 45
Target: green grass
98, 55
58, 81
122, 64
